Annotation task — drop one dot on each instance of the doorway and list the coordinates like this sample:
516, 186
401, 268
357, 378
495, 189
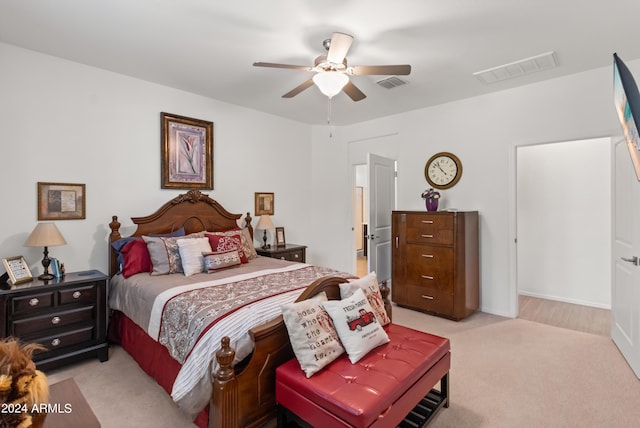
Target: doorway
562, 235
360, 219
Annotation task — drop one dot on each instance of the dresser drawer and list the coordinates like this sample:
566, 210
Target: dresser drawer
26, 326
62, 340
430, 299
293, 256
430, 229
26, 304
85, 294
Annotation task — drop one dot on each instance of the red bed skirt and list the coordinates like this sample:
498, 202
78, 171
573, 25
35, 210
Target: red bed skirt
151, 356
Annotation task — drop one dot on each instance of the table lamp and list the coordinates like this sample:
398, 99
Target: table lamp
265, 223
45, 235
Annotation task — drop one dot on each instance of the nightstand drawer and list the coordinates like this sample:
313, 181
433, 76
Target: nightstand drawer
63, 340
30, 303
293, 256
81, 294
31, 325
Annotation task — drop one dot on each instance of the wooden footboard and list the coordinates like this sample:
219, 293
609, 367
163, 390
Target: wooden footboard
247, 398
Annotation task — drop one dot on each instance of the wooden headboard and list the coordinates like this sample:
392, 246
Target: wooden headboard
193, 210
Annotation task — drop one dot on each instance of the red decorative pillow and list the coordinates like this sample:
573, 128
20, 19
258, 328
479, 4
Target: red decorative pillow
136, 258
221, 243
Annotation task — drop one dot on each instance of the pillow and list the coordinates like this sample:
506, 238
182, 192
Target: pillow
221, 243
214, 262
164, 253
313, 338
191, 251
118, 246
369, 284
135, 257
247, 243
356, 325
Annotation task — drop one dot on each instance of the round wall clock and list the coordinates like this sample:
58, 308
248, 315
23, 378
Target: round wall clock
443, 170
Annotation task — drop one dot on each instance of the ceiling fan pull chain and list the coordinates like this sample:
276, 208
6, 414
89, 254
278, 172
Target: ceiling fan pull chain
329, 118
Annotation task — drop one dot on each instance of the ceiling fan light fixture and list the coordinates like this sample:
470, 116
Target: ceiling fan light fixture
330, 83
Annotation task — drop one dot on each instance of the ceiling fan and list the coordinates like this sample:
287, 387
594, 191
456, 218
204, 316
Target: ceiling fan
332, 71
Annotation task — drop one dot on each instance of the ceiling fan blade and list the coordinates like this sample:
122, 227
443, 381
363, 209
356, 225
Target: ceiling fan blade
340, 44
301, 87
360, 70
274, 65
354, 93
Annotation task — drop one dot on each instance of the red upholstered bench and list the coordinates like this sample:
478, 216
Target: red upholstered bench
393, 382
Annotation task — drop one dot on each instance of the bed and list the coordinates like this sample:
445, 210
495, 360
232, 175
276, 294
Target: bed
208, 360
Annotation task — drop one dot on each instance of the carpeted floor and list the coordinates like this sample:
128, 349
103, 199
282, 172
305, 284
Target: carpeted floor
505, 373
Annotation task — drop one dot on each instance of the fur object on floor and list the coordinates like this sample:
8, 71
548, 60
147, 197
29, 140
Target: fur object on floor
22, 388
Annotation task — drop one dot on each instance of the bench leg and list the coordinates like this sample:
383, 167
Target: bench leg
444, 387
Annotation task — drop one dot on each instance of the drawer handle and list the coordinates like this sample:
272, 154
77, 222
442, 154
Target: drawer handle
55, 320
296, 256
427, 221
428, 256
427, 277
55, 342
424, 296
76, 294
282, 258
427, 236
34, 302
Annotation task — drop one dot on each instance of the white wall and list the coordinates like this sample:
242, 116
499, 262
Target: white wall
482, 132
66, 122
564, 221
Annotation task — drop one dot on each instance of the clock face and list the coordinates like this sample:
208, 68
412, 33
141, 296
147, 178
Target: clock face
443, 170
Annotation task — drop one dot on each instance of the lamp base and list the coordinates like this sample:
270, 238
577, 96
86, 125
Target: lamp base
46, 277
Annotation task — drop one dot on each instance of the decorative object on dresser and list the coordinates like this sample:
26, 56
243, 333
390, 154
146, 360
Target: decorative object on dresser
264, 203
291, 252
280, 241
68, 316
431, 198
17, 270
45, 235
265, 223
443, 170
187, 152
434, 262
61, 201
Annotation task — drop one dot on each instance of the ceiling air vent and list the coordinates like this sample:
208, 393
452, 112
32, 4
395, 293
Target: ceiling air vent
391, 82
525, 66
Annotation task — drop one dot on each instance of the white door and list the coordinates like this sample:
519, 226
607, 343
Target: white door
625, 299
381, 203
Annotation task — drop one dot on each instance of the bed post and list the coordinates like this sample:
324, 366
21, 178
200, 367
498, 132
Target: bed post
223, 410
113, 237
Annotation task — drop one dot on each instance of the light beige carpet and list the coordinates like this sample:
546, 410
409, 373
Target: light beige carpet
505, 373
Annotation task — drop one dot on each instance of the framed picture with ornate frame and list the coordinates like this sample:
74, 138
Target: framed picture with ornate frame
187, 152
61, 201
264, 203
17, 269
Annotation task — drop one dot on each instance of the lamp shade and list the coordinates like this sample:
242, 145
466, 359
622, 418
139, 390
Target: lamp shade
45, 235
265, 223
330, 83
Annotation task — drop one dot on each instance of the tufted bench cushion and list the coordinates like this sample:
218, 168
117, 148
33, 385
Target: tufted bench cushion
379, 390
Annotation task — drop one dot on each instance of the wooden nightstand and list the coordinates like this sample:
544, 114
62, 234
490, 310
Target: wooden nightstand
67, 315
291, 252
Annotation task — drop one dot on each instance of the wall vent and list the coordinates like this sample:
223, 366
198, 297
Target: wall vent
525, 66
391, 82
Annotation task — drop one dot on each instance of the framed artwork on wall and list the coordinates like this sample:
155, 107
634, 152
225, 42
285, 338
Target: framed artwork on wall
264, 203
17, 269
61, 201
187, 152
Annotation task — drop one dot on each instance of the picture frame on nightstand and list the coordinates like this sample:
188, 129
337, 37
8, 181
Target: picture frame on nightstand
17, 269
280, 241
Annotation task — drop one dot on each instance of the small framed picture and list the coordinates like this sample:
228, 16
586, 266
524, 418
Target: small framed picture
17, 269
61, 201
264, 203
280, 241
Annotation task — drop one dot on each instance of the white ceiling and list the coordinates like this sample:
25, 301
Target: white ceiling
208, 46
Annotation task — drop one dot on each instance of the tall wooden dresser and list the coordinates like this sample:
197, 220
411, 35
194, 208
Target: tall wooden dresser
434, 262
